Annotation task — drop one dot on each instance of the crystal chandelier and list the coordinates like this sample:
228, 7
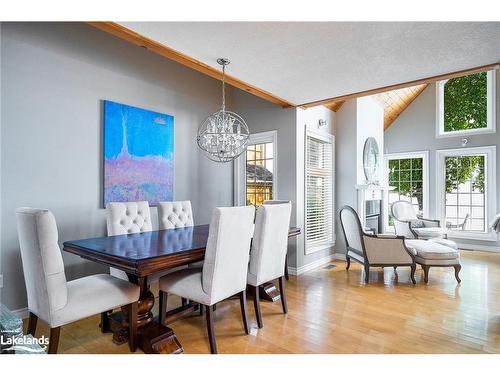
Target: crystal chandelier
223, 135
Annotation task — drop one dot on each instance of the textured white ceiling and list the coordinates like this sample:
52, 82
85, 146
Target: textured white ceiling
304, 62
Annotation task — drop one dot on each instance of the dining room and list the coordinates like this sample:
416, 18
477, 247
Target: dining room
210, 188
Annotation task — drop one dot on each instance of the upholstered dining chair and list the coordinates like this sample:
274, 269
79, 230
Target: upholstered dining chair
373, 250
127, 218
268, 253
53, 299
409, 225
173, 215
287, 277
224, 272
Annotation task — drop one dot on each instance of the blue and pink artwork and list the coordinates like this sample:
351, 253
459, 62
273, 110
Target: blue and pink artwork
138, 154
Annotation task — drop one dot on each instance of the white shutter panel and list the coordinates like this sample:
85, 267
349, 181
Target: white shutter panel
319, 192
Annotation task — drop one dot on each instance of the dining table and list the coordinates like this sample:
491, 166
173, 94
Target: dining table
141, 256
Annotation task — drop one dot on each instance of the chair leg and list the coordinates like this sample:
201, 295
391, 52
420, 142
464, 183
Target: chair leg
201, 310
412, 273
457, 267
214, 306
426, 273
243, 306
348, 260
54, 340
256, 305
367, 273
163, 306
282, 295
132, 326
104, 322
184, 301
287, 277
32, 324
210, 329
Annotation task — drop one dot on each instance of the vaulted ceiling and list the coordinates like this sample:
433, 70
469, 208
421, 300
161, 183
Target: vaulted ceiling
394, 102
298, 63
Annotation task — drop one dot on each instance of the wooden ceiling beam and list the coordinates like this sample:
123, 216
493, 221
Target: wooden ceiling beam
416, 82
131, 36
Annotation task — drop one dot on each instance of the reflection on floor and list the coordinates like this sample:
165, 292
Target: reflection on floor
332, 311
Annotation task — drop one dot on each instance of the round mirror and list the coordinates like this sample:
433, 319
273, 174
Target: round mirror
371, 160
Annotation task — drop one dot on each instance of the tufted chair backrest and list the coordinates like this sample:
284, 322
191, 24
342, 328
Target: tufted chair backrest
42, 261
128, 217
228, 248
270, 242
173, 215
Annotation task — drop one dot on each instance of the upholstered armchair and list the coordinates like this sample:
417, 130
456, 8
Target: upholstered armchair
53, 299
371, 250
409, 225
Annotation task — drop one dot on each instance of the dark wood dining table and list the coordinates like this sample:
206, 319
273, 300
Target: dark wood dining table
142, 255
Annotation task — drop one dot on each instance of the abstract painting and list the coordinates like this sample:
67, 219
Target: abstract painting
138, 154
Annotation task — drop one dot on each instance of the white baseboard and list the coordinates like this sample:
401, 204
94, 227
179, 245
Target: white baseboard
311, 266
489, 248
23, 313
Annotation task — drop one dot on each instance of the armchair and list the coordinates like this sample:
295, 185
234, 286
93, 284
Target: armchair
371, 250
409, 225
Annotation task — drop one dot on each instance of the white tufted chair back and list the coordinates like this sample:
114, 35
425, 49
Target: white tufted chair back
42, 262
127, 218
173, 215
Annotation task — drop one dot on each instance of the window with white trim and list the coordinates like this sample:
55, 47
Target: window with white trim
256, 170
408, 179
319, 231
466, 105
466, 195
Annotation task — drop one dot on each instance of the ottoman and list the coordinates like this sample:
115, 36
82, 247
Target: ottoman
432, 254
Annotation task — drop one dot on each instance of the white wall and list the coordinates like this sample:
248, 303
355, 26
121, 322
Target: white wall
369, 123
346, 176
54, 77
414, 130
308, 119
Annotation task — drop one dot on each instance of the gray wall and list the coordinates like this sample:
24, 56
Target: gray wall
345, 164
54, 77
263, 116
415, 129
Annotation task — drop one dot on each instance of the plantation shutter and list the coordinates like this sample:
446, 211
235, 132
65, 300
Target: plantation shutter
319, 192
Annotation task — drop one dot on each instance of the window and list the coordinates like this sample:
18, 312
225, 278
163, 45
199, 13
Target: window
255, 170
465, 198
408, 178
259, 171
466, 105
319, 192
465, 179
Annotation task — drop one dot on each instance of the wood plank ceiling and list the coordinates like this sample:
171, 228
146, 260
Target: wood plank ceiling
394, 102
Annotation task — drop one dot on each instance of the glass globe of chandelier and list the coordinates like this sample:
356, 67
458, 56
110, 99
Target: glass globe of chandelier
224, 134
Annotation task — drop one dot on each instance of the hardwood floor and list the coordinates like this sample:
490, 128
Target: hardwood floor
331, 310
